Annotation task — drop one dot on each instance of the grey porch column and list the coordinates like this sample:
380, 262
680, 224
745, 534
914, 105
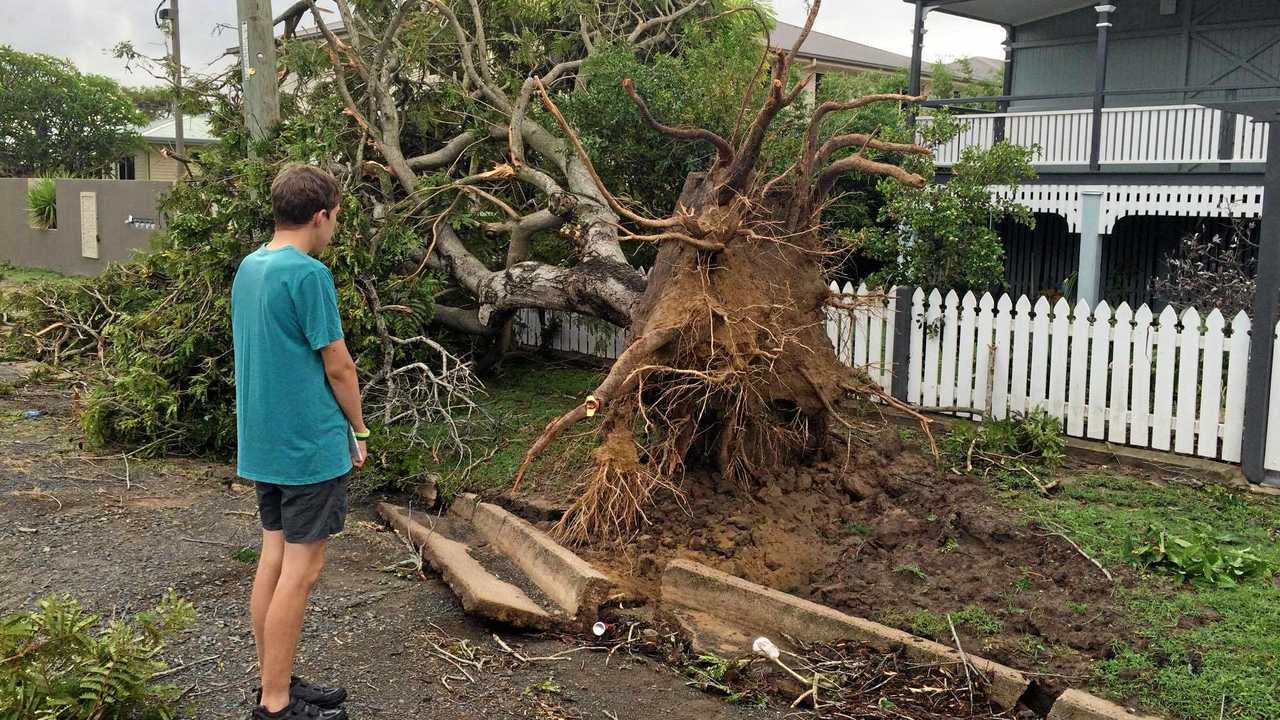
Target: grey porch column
917, 51
1010, 36
1258, 397
1100, 83
1089, 277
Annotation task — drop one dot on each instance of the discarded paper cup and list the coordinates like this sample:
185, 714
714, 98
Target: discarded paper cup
599, 629
764, 647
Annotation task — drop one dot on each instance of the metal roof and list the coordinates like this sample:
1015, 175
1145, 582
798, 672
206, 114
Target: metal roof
1007, 12
829, 48
983, 68
195, 130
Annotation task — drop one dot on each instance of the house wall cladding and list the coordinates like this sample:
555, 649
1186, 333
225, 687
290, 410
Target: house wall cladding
69, 248
1206, 42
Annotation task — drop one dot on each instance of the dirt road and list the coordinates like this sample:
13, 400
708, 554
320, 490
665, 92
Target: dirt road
118, 534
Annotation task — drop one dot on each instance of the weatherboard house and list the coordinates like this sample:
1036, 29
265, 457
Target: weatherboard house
1140, 111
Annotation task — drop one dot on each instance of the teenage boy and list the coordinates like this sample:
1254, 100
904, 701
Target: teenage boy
297, 410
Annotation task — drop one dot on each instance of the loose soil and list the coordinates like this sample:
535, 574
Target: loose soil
881, 533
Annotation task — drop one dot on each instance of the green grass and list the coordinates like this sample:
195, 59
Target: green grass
1203, 644
14, 275
521, 400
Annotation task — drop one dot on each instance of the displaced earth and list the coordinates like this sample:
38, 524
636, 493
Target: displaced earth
879, 532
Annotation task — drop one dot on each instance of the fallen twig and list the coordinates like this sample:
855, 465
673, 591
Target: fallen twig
1050, 527
180, 668
209, 542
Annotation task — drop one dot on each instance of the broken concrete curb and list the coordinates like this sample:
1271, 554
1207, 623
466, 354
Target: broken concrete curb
572, 583
761, 610
479, 590
1078, 705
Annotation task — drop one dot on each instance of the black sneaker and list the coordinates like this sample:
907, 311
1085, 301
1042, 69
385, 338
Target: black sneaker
325, 698
299, 710
322, 697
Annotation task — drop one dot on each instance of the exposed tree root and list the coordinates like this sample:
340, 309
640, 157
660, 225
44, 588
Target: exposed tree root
729, 365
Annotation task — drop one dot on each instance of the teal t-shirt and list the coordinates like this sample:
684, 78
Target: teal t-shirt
290, 429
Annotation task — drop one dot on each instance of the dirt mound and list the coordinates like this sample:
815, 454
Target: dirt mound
880, 533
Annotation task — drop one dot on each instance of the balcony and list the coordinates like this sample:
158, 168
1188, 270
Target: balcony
1162, 137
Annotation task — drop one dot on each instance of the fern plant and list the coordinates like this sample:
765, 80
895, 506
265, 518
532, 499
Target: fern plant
58, 662
42, 204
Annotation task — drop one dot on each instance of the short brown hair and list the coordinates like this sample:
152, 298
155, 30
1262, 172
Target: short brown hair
301, 191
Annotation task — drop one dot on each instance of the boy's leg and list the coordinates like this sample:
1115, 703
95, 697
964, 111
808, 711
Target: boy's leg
264, 584
283, 622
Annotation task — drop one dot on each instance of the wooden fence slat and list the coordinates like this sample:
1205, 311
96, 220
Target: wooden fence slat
964, 360
1061, 333
1039, 367
1162, 393
1140, 379
932, 349
1188, 377
1237, 379
1211, 386
847, 326
1000, 391
1099, 358
887, 330
833, 318
916, 362
950, 333
1079, 371
1019, 365
1122, 346
982, 365
862, 329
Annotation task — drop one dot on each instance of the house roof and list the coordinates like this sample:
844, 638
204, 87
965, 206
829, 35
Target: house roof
1007, 12
195, 130
836, 50
984, 68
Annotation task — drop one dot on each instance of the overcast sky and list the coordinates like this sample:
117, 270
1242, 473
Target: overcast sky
84, 31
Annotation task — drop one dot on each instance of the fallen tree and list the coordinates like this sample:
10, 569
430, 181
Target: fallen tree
474, 194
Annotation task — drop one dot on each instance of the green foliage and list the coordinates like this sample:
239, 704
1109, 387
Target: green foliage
944, 235
164, 318
712, 672
1034, 438
913, 570
1218, 561
61, 663
153, 101
247, 555
701, 86
54, 119
42, 204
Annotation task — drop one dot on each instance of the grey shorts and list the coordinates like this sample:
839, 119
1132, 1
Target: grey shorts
306, 513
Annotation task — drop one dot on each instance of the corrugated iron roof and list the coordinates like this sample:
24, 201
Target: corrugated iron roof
195, 130
837, 50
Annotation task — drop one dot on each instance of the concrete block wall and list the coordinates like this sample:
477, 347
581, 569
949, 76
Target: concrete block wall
61, 249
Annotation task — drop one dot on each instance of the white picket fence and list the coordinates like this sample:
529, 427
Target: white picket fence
1173, 382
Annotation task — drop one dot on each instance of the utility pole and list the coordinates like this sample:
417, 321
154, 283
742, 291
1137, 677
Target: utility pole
258, 67
175, 60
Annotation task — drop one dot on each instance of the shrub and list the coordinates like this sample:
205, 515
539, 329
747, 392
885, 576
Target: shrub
42, 204
1035, 437
60, 663
1210, 560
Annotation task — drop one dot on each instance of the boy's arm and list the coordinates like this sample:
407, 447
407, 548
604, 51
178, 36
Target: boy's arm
340, 369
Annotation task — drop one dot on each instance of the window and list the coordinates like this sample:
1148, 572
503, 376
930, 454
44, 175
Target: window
127, 169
